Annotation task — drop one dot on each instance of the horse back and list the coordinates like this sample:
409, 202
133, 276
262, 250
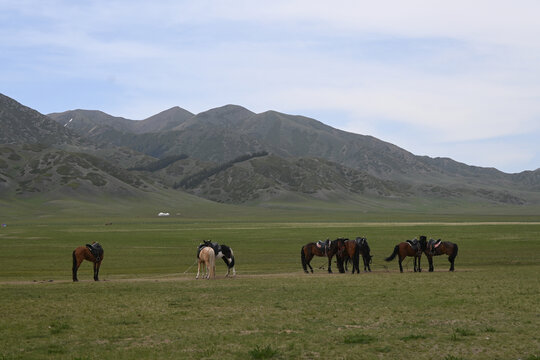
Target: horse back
84, 253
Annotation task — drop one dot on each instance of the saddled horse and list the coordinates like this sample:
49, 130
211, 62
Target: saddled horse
327, 248
221, 251
408, 248
208, 257
438, 247
91, 252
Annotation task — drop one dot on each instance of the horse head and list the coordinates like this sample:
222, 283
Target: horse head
423, 243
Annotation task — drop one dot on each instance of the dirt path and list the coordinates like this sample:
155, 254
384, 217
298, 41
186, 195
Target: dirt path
191, 277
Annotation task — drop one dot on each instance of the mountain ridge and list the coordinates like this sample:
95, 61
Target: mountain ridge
306, 159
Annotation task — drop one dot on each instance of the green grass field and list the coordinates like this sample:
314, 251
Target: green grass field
149, 305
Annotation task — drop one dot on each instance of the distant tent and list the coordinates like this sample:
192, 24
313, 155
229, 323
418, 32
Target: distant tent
163, 214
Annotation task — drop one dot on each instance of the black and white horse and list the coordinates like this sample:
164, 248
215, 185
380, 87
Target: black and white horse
221, 251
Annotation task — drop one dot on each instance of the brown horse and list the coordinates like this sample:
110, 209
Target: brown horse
408, 248
438, 247
91, 252
328, 249
350, 252
208, 257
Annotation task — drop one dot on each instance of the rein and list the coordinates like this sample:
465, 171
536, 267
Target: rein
190, 266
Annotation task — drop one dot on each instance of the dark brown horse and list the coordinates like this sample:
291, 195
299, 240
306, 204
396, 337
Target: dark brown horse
93, 253
327, 248
350, 252
365, 251
352, 249
438, 247
408, 248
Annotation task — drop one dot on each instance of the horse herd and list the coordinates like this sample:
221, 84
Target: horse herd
350, 250
345, 250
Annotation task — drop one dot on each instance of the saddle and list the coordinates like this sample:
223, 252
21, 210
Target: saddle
323, 245
213, 245
433, 246
96, 250
414, 245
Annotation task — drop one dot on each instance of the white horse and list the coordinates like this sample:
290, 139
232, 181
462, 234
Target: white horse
208, 257
222, 251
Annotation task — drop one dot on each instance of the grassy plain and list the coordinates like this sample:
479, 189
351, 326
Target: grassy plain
149, 306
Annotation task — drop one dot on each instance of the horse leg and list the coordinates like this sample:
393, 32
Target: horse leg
329, 265
451, 263
419, 268
430, 261
304, 260
400, 259
76, 264
308, 263
226, 261
198, 269
339, 261
96, 271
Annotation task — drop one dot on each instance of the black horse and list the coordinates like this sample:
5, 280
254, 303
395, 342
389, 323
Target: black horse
221, 251
365, 251
438, 247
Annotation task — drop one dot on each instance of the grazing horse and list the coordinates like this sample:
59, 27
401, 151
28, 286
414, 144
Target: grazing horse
208, 257
352, 251
91, 252
221, 251
364, 249
438, 247
328, 249
408, 248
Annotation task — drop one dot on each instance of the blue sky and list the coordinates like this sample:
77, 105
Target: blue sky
457, 79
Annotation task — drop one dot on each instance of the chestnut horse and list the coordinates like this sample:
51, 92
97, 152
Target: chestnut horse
91, 252
312, 249
408, 248
208, 257
438, 247
350, 252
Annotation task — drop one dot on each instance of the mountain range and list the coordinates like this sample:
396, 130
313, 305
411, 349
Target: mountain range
231, 155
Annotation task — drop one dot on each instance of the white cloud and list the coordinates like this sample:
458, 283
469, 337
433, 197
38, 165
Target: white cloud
454, 72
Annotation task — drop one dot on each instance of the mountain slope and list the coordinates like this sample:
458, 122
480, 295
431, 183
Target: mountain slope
20, 125
308, 159
226, 132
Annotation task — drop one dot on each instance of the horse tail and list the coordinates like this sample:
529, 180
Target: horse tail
356, 254
303, 257
454, 252
212, 261
391, 257
74, 261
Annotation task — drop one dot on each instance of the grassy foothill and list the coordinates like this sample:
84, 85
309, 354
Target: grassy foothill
149, 305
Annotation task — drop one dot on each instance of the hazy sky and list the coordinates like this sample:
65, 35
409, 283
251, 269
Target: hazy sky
458, 79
